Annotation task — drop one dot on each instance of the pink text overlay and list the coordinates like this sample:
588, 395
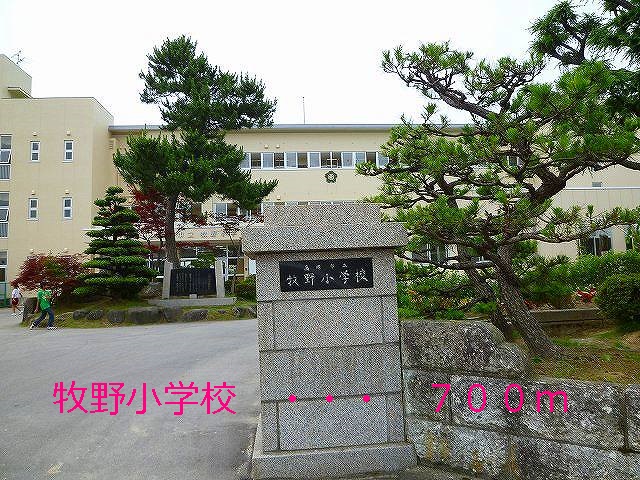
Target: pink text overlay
108, 397
513, 408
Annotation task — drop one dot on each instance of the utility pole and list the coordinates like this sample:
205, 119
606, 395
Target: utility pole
304, 114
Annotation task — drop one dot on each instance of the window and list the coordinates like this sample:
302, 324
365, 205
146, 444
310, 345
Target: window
188, 253
256, 160
5, 157
3, 266
381, 160
347, 159
248, 214
5, 148
4, 214
246, 162
513, 161
313, 159
267, 160
596, 184
33, 209
351, 159
434, 252
67, 208
220, 208
68, 151
371, 157
330, 159
598, 243
35, 151
278, 160
291, 159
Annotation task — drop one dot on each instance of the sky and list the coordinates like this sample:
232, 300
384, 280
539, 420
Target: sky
328, 52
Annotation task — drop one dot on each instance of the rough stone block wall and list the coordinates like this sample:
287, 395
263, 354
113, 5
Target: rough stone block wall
597, 438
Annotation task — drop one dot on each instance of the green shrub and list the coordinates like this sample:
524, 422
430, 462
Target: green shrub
204, 260
246, 289
438, 296
553, 292
544, 281
619, 298
484, 308
589, 270
117, 253
408, 312
450, 314
555, 281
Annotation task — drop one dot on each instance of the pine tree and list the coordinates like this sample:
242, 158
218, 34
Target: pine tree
199, 103
119, 257
485, 188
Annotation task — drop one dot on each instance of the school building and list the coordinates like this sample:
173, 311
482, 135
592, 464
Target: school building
56, 159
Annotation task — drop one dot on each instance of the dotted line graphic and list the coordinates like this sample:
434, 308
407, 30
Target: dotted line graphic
329, 398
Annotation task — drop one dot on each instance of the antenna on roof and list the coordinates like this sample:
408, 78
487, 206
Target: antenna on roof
304, 114
17, 57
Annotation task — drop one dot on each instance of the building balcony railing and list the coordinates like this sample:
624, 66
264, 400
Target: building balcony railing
205, 233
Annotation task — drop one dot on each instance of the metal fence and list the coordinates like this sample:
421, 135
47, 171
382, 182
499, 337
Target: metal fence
185, 281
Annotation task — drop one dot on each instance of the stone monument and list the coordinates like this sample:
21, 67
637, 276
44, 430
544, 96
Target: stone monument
328, 341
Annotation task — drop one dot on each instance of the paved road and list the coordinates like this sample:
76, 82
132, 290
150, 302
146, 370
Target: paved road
36, 441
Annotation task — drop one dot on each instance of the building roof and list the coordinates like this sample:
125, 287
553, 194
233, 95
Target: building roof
285, 127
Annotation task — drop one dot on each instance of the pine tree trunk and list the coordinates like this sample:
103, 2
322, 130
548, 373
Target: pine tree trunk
484, 290
497, 317
170, 230
511, 302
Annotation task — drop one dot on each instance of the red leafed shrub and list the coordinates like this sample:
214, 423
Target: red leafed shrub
57, 272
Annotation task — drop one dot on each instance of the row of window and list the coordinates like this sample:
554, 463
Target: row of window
292, 160
35, 150
232, 210
67, 208
597, 243
32, 211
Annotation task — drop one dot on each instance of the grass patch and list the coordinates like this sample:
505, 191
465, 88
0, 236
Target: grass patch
99, 304
64, 313
64, 322
602, 355
225, 312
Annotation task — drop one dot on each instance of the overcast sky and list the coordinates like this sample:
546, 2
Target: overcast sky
327, 51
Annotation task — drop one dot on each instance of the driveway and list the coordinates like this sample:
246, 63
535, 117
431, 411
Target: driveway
36, 441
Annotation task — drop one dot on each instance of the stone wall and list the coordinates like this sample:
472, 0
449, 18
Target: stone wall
597, 438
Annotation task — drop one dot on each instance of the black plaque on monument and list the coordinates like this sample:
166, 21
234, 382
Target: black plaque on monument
303, 275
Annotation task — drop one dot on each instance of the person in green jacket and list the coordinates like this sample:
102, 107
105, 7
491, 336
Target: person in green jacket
44, 304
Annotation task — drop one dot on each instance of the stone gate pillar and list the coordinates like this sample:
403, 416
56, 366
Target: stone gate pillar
328, 341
